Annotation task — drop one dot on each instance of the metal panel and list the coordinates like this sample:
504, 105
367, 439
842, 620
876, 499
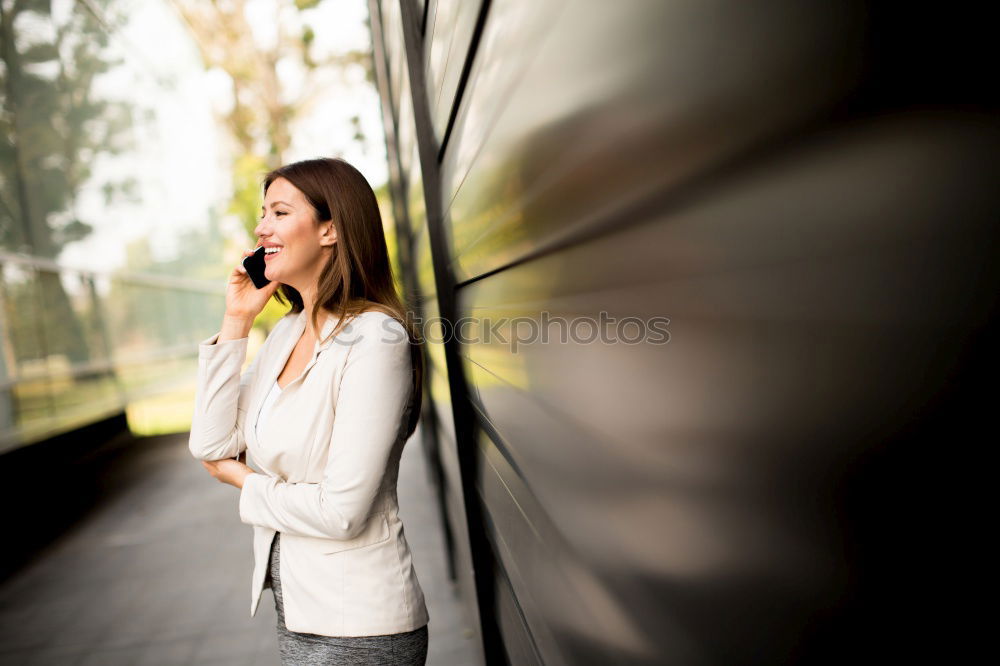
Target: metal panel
425, 266
810, 306
395, 55
415, 198
552, 592
407, 133
762, 175
569, 114
449, 34
422, 203
517, 639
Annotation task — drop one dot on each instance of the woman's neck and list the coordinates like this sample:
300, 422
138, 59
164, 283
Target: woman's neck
308, 303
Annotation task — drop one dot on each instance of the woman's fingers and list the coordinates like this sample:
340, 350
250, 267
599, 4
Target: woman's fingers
240, 268
239, 264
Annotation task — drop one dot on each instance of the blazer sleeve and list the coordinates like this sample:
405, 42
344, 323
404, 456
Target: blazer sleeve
372, 401
221, 398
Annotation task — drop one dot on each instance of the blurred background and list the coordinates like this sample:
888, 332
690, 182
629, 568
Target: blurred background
807, 192
136, 136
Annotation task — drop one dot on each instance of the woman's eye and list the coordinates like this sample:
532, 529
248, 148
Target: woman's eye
278, 212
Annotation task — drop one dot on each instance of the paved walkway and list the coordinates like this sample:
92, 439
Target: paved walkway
163, 556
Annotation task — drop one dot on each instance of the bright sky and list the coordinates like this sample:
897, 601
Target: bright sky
180, 157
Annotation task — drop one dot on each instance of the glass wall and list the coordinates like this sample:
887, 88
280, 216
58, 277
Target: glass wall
113, 220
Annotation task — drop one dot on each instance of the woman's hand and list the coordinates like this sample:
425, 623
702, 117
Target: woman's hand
243, 300
228, 470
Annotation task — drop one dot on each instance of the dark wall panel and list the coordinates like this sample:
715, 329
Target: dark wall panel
449, 34
767, 229
555, 594
804, 317
425, 264
407, 138
571, 115
517, 638
408, 188
395, 55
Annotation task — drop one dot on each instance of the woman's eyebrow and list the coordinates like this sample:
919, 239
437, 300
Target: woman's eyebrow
275, 203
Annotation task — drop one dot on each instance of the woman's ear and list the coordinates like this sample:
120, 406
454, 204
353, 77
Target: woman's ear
329, 234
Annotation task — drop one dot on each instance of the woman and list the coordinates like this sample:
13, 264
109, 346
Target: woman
325, 408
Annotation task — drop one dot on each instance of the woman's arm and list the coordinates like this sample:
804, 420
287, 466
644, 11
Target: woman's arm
221, 396
220, 399
374, 393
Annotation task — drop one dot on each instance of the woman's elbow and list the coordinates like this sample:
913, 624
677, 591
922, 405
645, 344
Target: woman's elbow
341, 524
200, 453
205, 449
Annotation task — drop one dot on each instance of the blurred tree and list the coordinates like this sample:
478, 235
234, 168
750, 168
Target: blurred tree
263, 111
53, 127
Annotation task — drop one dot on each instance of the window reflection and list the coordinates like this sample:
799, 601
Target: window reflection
98, 311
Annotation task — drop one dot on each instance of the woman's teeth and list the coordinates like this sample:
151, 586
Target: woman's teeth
272, 250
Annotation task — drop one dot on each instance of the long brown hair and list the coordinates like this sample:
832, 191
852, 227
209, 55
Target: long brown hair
358, 276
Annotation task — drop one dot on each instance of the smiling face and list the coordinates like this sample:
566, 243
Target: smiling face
301, 246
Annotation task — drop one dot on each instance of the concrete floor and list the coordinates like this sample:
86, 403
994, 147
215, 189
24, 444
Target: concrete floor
158, 572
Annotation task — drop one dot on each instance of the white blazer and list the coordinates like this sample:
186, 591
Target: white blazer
329, 458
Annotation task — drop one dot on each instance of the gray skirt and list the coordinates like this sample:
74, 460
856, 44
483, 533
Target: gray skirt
408, 648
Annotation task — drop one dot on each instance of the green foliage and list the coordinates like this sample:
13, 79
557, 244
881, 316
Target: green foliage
262, 117
248, 173
308, 37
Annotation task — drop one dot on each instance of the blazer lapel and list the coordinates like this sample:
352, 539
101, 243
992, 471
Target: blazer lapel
269, 371
317, 347
282, 351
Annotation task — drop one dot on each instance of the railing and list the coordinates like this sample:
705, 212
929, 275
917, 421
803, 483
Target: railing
77, 344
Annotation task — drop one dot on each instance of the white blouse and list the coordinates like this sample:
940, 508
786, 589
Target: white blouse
265, 407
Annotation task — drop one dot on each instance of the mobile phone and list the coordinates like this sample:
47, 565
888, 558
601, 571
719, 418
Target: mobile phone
255, 267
